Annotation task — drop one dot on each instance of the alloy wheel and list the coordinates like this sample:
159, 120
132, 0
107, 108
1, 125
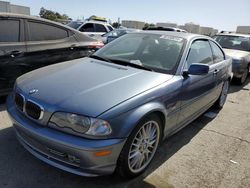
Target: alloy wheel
143, 146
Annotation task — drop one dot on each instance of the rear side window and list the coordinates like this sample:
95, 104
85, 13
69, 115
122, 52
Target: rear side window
89, 27
200, 52
100, 28
41, 32
9, 31
218, 55
110, 28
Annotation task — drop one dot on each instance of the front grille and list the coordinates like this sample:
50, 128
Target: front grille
30, 108
33, 110
19, 100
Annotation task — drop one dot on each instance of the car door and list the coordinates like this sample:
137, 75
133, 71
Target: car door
100, 29
47, 44
198, 91
220, 66
88, 29
12, 52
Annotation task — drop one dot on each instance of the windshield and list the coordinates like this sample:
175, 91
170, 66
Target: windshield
233, 42
75, 25
154, 51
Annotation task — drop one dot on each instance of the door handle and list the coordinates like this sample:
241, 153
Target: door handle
216, 71
15, 53
72, 46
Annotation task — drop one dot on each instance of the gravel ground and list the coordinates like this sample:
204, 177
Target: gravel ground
210, 152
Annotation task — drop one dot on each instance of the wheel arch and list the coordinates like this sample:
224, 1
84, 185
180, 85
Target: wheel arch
135, 116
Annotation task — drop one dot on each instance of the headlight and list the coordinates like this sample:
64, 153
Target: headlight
69, 122
237, 60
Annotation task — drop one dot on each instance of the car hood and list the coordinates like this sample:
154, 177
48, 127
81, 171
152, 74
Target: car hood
237, 54
87, 86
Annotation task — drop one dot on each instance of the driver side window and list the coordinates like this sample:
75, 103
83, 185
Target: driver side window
200, 52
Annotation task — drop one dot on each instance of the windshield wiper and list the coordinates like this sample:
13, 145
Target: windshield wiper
127, 63
120, 62
100, 58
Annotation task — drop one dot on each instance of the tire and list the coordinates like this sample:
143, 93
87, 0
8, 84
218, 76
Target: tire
138, 152
223, 96
243, 78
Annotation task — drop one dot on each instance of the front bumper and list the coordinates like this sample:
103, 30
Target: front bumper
67, 152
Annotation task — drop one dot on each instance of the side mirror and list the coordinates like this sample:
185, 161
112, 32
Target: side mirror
198, 69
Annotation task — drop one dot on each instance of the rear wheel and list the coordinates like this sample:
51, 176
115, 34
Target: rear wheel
140, 147
223, 96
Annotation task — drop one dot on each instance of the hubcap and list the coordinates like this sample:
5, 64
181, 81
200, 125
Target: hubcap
224, 93
143, 146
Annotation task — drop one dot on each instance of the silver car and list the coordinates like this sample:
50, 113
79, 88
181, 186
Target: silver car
237, 46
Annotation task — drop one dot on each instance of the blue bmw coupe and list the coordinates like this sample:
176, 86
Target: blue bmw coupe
110, 111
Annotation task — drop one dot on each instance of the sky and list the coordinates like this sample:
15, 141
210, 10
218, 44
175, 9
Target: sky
219, 14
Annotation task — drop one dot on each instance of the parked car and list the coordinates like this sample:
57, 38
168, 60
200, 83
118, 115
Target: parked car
237, 46
111, 110
116, 33
28, 43
92, 28
166, 29
75, 24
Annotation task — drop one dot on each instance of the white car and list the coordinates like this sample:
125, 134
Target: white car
91, 28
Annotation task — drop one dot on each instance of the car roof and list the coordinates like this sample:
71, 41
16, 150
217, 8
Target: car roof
163, 28
233, 34
127, 29
187, 36
11, 15
94, 21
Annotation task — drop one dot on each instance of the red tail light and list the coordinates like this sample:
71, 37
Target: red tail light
98, 44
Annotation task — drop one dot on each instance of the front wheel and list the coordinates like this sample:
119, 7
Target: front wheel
223, 96
140, 147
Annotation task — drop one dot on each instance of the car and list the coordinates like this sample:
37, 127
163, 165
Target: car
237, 46
28, 43
116, 33
92, 28
75, 24
109, 112
165, 29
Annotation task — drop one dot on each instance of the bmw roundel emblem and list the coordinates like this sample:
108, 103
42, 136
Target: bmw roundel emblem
33, 91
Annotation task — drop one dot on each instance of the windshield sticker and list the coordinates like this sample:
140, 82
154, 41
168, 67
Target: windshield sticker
177, 39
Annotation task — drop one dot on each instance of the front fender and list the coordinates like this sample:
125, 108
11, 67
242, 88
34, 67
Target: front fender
130, 119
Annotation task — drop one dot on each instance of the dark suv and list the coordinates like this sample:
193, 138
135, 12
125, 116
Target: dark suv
28, 43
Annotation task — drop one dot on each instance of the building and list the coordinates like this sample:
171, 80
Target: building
209, 31
243, 29
133, 24
166, 24
182, 27
192, 28
215, 31
10, 8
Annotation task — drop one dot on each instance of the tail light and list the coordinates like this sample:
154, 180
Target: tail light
98, 44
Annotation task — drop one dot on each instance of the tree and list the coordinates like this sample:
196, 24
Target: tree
147, 25
51, 15
116, 25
